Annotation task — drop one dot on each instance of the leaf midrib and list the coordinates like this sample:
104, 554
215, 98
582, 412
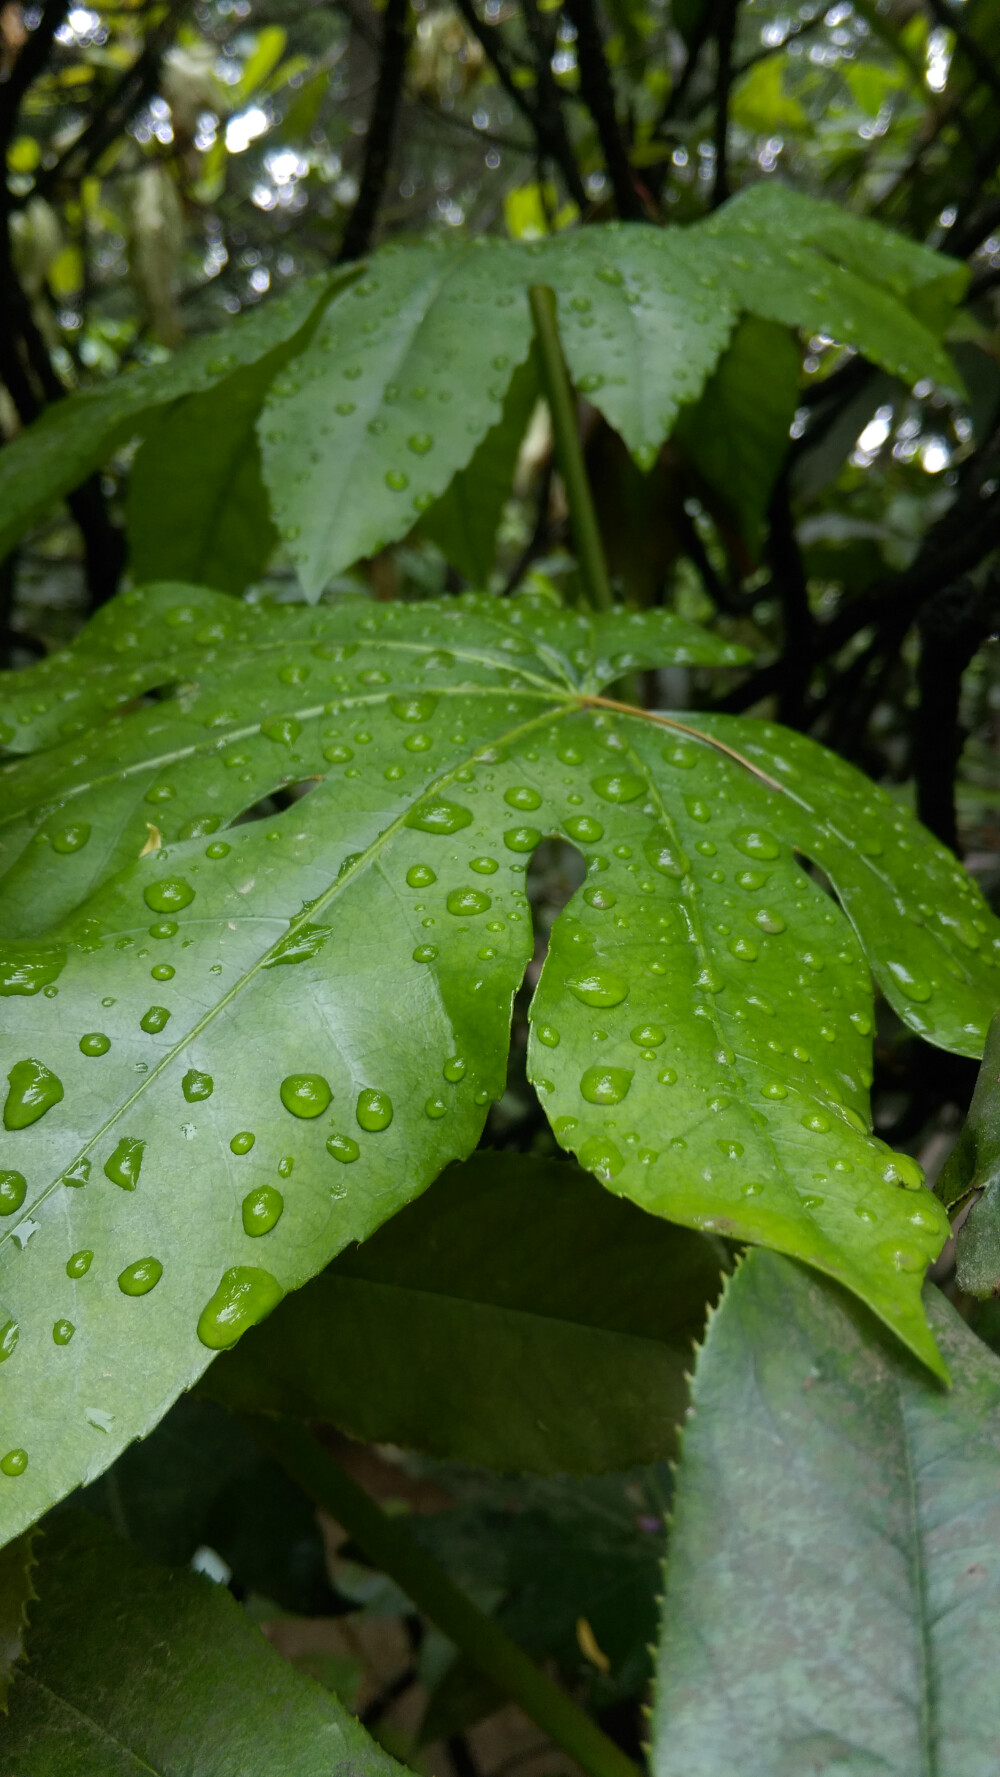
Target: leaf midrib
28, 1681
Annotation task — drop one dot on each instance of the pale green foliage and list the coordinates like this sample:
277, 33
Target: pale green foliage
831, 1591
232, 1049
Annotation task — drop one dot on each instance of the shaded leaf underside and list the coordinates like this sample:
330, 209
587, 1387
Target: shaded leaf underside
700, 1034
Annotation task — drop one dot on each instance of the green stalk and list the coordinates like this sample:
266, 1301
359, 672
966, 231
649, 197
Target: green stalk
562, 407
388, 1545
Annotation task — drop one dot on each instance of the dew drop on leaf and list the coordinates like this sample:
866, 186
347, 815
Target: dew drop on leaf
94, 1043
305, 1095
911, 982
140, 1277
168, 895
124, 1165
618, 786
71, 838
522, 839
605, 1085
467, 902
756, 842
484, 866
602, 988
244, 1297
32, 1090
420, 876
547, 1034
584, 828
434, 1108
261, 1210
343, 1147
242, 1141
599, 1154
439, 817
156, 1019
79, 1263
13, 1187
14, 1463
196, 1086
62, 1332
648, 1036
374, 1110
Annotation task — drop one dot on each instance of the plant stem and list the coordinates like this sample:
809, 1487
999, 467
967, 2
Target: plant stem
386, 1543
569, 455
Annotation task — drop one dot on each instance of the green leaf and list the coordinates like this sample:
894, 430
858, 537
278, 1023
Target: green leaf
136, 1668
516, 1316
832, 1580
75, 436
464, 522
737, 434
404, 376
335, 981
17, 1592
197, 506
973, 1170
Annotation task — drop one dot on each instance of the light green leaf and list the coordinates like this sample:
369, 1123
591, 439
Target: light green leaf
464, 522
516, 1316
77, 435
404, 376
335, 981
137, 1668
197, 506
832, 1581
17, 1592
737, 435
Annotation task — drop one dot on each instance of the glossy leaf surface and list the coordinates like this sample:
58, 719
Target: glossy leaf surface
232, 1049
137, 1668
832, 1582
516, 1316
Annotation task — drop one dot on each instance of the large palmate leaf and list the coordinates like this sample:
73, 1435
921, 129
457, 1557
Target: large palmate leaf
832, 1583
231, 1049
137, 1668
518, 1317
77, 435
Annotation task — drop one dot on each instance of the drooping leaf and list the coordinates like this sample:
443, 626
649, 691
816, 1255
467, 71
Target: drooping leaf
736, 435
17, 1592
464, 522
973, 1169
404, 376
231, 1056
77, 435
197, 506
137, 1668
832, 1580
516, 1316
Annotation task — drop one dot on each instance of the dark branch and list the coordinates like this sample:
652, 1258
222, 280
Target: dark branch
545, 119
30, 63
381, 130
725, 33
598, 94
952, 627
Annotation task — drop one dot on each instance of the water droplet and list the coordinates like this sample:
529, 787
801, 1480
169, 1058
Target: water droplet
13, 1186
816, 1121
547, 1034
743, 949
125, 1164
32, 1090
912, 983
140, 1277
374, 1110
584, 828
599, 1154
8, 1339
79, 1264
769, 920
484, 866
340, 754
244, 1297
63, 1332
901, 1257
751, 879
454, 1069
905, 1171
522, 796
602, 988
14, 1463
94, 1043
756, 842
420, 443
282, 729
168, 895
425, 953
668, 859
196, 1085
774, 1089
343, 1147
667, 1076
155, 1019
420, 876
414, 709
242, 1142
522, 839
261, 1210
305, 1095
439, 817
164, 928
648, 1036
467, 902
396, 480
71, 838
605, 1085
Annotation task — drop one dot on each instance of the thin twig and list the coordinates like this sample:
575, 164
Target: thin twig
360, 227
598, 94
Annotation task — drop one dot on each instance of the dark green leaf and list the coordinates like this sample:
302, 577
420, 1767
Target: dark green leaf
736, 435
516, 1316
973, 1169
141, 1669
17, 1592
464, 522
832, 1583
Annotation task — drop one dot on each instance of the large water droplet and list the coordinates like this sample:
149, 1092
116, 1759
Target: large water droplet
156, 1019
245, 1296
484, 866
14, 1463
602, 988
71, 838
522, 796
439, 817
94, 1043
756, 842
374, 1110
168, 895
79, 1264
618, 786
13, 1186
62, 1332
420, 876
262, 1209
522, 839
125, 1163
196, 1086
242, 1141
414, 709
648, 1036
305, 1095
911, 982
599, 1154
584, 828
32, 1090
467, 902
140, 1277
605, 1085
343, 1147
